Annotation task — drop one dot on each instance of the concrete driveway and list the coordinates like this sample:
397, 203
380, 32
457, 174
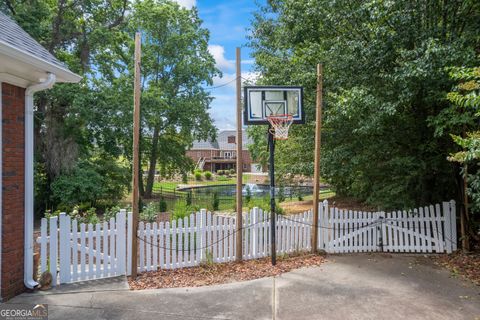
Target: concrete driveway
360, 286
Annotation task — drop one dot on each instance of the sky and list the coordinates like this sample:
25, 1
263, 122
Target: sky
227, 22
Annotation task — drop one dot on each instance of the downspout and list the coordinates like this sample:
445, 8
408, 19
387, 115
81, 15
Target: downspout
29, 174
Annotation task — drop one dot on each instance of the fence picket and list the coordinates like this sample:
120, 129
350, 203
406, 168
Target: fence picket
43, 244
90, 251
141, 244
441, 233
74, 251
53, 248
168, 247
448, 227
180, 262
83, 273
162, 251
154, 246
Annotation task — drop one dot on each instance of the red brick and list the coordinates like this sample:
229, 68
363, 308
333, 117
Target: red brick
13, 171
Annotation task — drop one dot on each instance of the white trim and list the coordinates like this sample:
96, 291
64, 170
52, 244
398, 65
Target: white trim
16, 81
63, 74
29, 174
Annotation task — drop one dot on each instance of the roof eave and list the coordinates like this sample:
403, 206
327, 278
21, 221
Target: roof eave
62, 74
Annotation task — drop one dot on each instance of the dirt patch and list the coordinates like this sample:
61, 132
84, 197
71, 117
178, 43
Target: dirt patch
222, 272
466, 265
336, 201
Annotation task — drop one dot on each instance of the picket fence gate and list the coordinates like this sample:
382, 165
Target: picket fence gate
75, 252
427, 229
84, 252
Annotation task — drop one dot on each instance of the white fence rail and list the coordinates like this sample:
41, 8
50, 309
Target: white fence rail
83, 252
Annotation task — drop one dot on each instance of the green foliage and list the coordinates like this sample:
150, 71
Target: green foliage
85, 216
198, 176
281, 193
465, 99
91, 181
385, 80
248, 195
111, 213
184, 178
222, 178
208, 175
188, 199
79, 121
162, 205
215, 201
264, 204
220, 172
149, 212
182, 210
232, 171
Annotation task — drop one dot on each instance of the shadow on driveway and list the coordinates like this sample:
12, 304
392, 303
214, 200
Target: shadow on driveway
350, 286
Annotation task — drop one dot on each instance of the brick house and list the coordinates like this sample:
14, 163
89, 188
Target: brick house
221, 154
25, 68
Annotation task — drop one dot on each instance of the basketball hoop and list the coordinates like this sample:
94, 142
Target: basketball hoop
280, 124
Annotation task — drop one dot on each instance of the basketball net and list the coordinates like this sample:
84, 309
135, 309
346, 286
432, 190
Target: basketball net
280, 124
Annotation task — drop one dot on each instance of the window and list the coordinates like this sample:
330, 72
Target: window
231, 139
244, 166
227, 155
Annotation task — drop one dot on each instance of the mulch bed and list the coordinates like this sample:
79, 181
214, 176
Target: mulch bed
218, 273
466, 265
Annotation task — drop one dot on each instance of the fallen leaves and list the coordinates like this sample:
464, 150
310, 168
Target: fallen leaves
463, 264
218, 273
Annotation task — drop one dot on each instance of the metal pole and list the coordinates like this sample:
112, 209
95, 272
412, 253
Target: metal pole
316, 174
271, 145
239, 240
136, 145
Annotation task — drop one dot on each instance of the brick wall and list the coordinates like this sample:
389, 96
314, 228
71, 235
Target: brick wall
13, 155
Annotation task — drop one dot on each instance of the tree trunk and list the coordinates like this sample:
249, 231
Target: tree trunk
152, 164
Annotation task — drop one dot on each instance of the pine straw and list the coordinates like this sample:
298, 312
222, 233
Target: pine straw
209, 274
462, 264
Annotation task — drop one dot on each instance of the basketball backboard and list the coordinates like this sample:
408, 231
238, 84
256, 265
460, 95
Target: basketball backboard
263, 101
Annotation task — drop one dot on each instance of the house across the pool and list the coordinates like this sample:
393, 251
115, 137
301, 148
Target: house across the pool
221, 153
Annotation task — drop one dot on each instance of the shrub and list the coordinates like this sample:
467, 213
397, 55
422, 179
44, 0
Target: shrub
220, 172
222, 178
208, 175
198, 176
215, 201
149, 212
181, 210
162, 205
281, 194
248, 196
232, 171
188, 200
110, 213
184, 178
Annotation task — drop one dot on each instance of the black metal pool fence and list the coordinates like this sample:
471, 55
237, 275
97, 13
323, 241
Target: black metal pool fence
222, 197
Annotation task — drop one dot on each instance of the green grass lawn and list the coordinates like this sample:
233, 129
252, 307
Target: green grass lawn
172, 185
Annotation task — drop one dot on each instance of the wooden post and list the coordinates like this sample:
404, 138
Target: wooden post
239, 240
136, 145
316, 174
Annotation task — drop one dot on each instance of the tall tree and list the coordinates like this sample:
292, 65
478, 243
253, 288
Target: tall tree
385, 82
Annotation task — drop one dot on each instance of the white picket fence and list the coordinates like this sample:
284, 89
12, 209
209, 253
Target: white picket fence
204, 237
427, 229
84, 252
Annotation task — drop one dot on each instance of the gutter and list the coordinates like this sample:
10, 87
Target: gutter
29, 174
